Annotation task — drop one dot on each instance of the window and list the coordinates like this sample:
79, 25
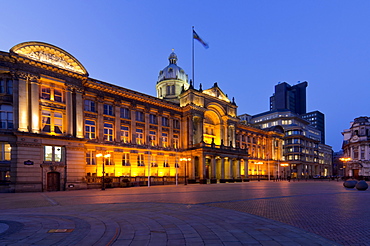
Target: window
6, 86
152, 138
140, 160
58, 95
125, 113
165, 121
108, 159
108, 109
5, 150
176, 124
6, 116
139, 136
154, 161
140, 116
90, 129
108, 132
124, 134
126, 159
153, 119
45, 93
51, 93
164, 139
165, 162
176, 141
90, 157
52, 122
89, 106
53, 153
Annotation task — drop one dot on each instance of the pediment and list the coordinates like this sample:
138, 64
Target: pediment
215, 91
50, 54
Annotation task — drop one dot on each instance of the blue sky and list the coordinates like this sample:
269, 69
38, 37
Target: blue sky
253, 46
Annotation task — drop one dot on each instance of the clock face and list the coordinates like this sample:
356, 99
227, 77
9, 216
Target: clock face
354, 138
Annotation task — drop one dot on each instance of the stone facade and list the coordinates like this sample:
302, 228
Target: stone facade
356, 146
62, 130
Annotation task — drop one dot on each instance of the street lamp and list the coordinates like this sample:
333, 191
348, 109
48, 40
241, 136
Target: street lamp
284, 165
345, 160
186, 160
258, 163
103, 172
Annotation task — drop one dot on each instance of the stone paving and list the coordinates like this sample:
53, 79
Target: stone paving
253, 213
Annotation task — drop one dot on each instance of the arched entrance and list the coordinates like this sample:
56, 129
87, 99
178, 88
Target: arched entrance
53, 181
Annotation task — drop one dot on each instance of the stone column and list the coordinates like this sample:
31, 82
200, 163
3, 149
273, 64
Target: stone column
69, 111
23, 109
100, 119
79, 114
133, 124
213, 167
222, 167
117, 122
34, 101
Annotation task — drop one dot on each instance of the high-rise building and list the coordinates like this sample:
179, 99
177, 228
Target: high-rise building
317, 120
289, 97
293, 98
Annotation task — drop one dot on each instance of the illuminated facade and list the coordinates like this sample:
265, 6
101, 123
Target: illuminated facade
356, 148
62, 130
303, 150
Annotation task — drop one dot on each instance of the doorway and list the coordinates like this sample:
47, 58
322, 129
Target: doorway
53, 181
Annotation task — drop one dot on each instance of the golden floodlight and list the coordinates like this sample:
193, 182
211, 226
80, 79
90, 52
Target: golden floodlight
345, 159
284, 164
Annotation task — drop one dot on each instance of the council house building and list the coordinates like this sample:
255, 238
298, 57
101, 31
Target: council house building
62, 130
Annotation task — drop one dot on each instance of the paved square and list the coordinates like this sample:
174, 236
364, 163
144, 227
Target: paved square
253, 213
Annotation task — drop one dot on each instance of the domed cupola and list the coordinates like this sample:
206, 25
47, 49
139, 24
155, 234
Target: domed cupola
171, 80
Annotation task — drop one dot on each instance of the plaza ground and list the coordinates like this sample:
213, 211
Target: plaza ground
250, 213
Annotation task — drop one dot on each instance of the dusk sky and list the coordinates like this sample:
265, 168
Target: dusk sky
253, 45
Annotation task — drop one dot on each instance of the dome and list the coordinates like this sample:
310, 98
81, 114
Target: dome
172, 71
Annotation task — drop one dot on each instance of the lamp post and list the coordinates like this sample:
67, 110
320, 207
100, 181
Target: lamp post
103, 171
186, 163
345, 160
258, 169
284, 165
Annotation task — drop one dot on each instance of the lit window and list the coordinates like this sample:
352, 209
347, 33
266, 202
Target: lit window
52, 122
164, 139
6, 116
53, 153
125, 113
108, 109
140, 160
108, 132
176, 141
126, 159
90, 129
139, 136
5, 151
51, 93
124, 134
152, 138
90, 157
89, 106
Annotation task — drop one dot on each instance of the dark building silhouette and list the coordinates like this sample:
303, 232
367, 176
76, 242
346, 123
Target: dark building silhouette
289, 97
317, 120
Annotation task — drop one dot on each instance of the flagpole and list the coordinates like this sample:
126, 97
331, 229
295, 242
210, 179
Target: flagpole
192, 35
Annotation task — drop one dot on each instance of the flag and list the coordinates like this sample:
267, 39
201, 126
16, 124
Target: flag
196, 36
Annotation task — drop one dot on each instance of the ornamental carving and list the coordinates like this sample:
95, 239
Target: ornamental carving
50, 54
